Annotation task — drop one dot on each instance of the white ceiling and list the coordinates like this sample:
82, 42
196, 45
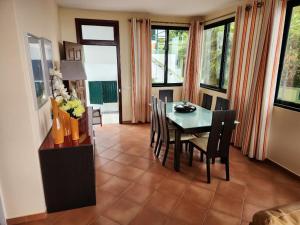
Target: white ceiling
159, 7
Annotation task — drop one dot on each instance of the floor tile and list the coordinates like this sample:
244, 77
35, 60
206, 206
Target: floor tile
102, 178
115, 185
229, 206
124, 158
129, 173
138, 193
109, 154
150, 179
218, 218
123, 211
172, 186
149, 217
162, 202
142, 163
189, 212
101, 220
231, 190
198, 195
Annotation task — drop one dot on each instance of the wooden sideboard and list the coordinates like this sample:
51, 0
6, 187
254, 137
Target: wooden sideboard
68, 170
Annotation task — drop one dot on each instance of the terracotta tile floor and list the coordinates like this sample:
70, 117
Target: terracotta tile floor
133, 188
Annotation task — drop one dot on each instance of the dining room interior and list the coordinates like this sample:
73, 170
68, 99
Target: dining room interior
150, 112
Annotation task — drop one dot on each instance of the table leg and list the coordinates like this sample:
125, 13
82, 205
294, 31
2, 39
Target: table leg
177, 150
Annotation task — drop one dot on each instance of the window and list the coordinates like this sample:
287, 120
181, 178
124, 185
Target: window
217, 45
288, 83
169, 46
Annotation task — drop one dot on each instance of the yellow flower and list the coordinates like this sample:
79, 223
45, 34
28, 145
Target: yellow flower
78, 111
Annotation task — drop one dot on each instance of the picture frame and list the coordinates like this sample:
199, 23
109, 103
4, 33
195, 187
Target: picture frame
48, 63
39, 83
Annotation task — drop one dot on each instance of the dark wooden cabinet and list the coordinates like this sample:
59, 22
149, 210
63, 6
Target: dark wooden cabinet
68, 171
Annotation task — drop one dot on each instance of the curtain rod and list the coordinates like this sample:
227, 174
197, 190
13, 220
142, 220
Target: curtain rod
219, 17
153, 21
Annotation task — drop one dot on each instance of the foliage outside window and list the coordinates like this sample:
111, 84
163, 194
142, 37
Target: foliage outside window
169, 46
288, 84
217, 45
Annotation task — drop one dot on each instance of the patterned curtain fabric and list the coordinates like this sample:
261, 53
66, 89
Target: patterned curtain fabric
190, 91
141, 69
256, 52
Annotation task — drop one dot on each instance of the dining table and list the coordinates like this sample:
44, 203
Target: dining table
198, 121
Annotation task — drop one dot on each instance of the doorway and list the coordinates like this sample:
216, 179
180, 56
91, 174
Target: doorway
101, 58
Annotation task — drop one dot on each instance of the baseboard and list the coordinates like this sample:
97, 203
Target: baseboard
127, 122
282, 167
26, 219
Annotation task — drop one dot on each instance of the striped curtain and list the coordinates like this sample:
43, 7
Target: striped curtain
141, 69
190, 91
256, 51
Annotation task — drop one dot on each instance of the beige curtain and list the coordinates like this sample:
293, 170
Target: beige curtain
256, 51
190, 91
141, 69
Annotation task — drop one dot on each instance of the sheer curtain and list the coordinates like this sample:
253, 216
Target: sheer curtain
191, 83
141, 69
256, 51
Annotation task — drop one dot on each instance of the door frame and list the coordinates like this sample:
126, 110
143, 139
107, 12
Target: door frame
116, 42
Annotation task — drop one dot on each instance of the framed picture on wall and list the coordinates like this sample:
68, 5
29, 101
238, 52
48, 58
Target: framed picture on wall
48, 62
37, 68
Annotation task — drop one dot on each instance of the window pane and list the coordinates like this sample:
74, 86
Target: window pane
158, 55
178, 40
289, 87
104, 33
212, 54
228, 54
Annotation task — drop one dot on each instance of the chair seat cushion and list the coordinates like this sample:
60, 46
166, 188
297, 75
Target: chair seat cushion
171, 126
205, 134
184, 137
200, 142
282, 215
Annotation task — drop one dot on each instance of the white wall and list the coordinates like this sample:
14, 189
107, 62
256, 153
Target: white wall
23, 127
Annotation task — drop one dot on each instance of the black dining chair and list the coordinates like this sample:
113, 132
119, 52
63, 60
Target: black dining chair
154, 122
207, 101
222, 104
167, 136
166, 95
217, 143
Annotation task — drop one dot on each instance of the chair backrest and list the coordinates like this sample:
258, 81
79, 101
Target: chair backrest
163, 122
220, 134
166, 95
207, 101
222, 104
154, 121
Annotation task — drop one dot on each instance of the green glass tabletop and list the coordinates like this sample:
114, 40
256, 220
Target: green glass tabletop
199, 119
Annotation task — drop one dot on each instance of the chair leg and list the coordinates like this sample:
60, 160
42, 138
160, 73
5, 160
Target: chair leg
208, 169
152, 136
158, 148
201, 156
166, 154
213, 160
186, 146
227, 169
191, 151
157, 142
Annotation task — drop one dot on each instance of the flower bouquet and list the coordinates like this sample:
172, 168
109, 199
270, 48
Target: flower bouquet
75, 109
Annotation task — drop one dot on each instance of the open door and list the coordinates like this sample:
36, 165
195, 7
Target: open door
101, 58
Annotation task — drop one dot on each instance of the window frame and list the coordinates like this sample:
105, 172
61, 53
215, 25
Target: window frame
225, 22
277, 102
167, 28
